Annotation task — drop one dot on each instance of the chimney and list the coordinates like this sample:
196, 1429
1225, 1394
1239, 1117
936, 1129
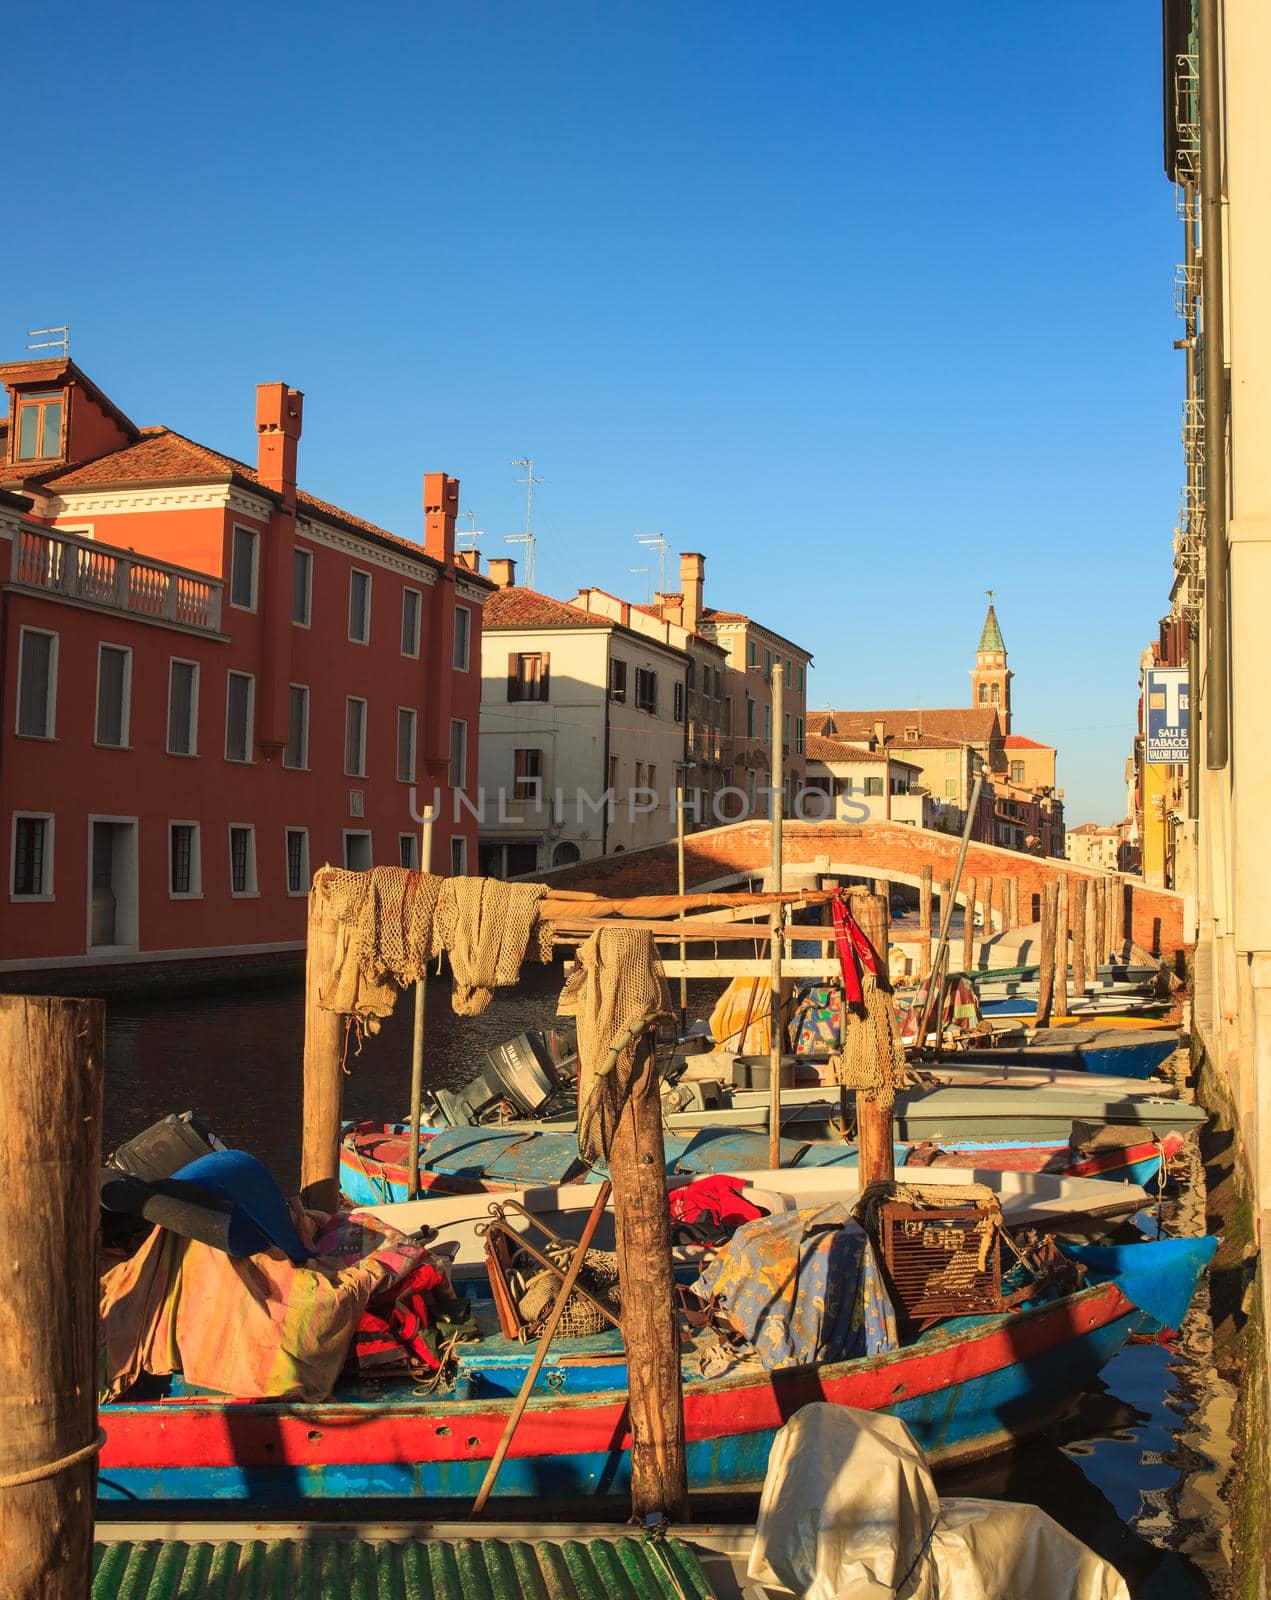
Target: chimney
503, 572
278, 415
469, 560
671, 607
692, 577
880, 735
441, 507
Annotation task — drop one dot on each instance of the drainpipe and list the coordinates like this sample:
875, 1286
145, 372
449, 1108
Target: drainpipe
1190, 619
1217, 647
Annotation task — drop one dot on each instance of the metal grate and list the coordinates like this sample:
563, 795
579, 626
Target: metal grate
932, 1259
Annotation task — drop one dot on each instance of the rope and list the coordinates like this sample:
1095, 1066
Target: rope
15, 1480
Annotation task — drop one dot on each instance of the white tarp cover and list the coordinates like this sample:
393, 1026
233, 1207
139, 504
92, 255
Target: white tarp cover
850, 1512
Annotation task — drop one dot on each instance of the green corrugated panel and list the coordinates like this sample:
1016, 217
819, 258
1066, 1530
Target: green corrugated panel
386, 1569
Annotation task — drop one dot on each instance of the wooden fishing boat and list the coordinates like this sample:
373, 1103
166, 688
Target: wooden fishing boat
463, 1161
967, 1389
1106, 1051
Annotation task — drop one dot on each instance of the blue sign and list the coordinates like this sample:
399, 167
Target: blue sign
1167, 716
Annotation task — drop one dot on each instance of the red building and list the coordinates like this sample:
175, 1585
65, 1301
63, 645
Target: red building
212, 683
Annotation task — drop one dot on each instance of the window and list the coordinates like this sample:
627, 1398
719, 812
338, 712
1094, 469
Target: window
950, 788
244, 562
618, 680
846, 785
410, 622
639, 783
458, 776
613, 773
357, 851
239, 694
114, 691
767, 666
785, 730
873, 786
995, 694
984, 694
678, 699
184, 876
752, 654
183, 708
767, 724
31, 875
1017, 772
458, 856
798, 736
789, 674
242, 859
528, 675
405, 745
651, 777
950, 756
302, 587
297, 846
354, 737
37, 683
750, 717
646, 689
359, 606
40, 427
801, 681
527, 775
463, 639
408, 851
296, 755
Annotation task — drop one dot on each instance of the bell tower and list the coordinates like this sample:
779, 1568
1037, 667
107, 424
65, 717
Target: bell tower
991, 677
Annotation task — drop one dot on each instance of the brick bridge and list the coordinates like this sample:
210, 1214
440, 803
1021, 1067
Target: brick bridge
720, 858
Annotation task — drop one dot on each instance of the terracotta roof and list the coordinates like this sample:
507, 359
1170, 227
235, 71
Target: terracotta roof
1017, 741
161, 455
953, 724
709, 614
817, 748
515, 607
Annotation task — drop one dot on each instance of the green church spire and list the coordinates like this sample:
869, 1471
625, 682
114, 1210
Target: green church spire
991, 634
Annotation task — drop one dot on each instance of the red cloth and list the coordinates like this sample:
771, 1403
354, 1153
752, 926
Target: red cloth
388, 1330
853, 948
716, 1197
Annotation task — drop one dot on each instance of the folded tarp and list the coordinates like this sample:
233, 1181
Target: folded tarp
850, 1512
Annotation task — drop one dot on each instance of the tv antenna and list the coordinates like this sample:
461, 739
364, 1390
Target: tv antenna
655, 543
467, 540
526, 538
62, 342
645, 571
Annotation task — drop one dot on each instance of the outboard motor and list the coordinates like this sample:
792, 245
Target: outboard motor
519, 1077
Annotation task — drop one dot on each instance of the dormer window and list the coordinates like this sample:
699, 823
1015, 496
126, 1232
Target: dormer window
39, 430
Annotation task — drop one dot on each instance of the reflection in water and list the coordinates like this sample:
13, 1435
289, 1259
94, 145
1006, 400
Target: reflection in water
1138, 1473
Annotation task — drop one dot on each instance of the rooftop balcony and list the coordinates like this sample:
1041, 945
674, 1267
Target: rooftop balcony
108, 579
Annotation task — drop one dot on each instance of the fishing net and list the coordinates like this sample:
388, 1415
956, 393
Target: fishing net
872, 1058
971, 1249
392, 922
615, 993
598, 1275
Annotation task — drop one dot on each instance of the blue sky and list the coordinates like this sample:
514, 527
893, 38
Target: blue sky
870, 304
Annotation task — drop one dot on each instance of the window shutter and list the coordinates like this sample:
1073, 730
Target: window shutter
544, 671
514, 678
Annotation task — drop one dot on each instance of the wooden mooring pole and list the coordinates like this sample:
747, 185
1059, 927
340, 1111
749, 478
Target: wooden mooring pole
1079, 886
968, 927
924, 922
417, 1036
776, 1014
876, 1155
1061, 947
323, 1063
650, 1316
51, 1066
1046, 956
1100, 924
986, 894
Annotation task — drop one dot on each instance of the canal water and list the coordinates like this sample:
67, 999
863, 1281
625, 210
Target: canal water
1138, 1472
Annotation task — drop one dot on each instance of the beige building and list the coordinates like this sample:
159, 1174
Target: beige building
863, 784
1093, 846
582, 725
753, 653
1218, 154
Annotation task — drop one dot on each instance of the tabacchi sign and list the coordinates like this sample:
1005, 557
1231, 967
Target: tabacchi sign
1167, 714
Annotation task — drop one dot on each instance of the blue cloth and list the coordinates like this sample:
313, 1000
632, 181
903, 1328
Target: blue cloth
1159, 1275
258, 1214
803, 1287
